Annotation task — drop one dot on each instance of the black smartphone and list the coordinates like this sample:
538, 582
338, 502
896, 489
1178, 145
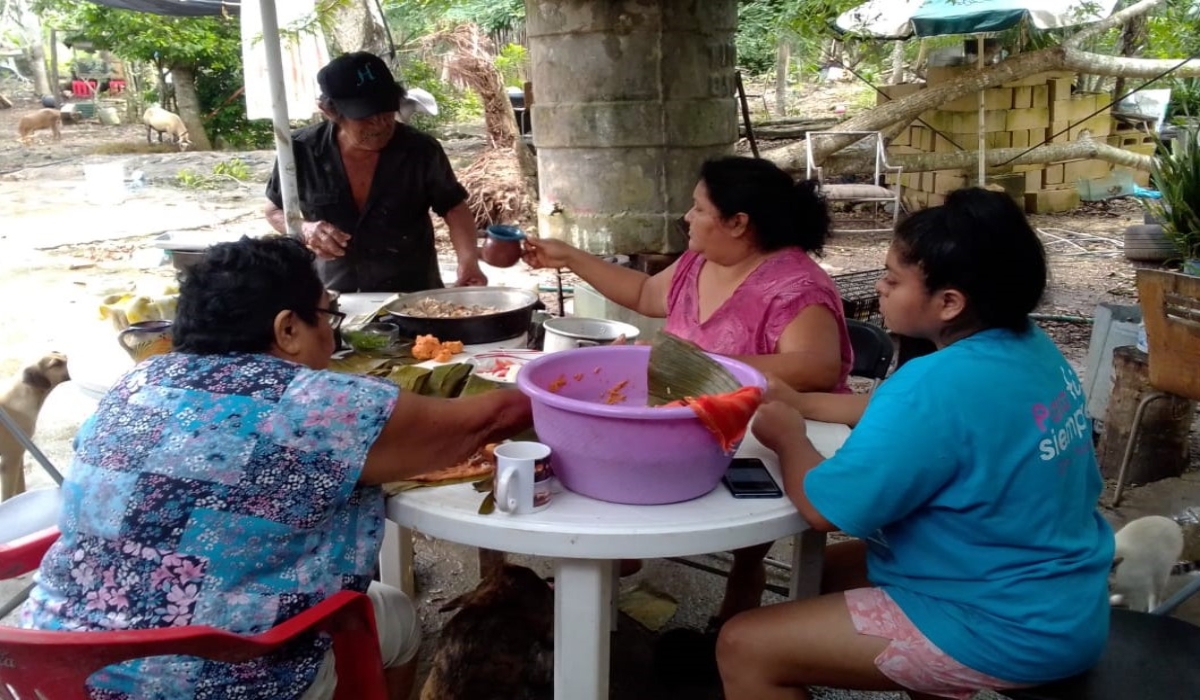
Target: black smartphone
747, 477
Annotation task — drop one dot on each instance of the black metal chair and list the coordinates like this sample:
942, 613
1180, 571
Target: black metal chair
1150, 656
873, 350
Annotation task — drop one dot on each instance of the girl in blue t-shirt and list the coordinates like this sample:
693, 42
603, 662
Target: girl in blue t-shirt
969, 480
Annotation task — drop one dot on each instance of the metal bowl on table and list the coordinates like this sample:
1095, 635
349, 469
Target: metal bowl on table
508, 314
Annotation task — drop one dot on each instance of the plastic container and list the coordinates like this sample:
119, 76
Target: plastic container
105, 182
626, 452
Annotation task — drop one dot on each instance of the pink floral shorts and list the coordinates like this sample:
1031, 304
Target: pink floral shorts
911, 660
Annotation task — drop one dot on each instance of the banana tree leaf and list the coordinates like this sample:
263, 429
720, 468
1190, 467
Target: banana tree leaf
446, 381
358, 364
478, 385
410, 379
394, 487
680, 369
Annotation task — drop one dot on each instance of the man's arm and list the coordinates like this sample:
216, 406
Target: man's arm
465, 240
275, 217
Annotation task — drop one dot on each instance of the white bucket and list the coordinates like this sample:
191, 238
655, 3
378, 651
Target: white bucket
105, 182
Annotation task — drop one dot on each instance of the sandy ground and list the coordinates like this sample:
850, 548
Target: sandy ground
61, 250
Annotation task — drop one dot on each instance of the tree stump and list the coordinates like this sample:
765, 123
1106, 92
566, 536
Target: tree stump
1162, 445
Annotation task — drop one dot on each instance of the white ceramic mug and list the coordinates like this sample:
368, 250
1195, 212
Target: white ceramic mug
523, 477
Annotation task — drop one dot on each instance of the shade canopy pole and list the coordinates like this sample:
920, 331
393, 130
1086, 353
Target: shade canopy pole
279, 118
982, 113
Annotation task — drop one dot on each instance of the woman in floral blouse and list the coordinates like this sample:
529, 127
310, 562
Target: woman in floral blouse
235, 482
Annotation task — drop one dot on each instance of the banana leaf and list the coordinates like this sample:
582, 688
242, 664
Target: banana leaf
679, 369
446, 381
358, 364
394, 487
411, 379
478, 385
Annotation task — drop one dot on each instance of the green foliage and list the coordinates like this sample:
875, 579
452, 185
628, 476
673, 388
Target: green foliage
1174, 30
454, 105
758, 35
490, 15
1175, 173
224, 116
233, 169
805, 24
209, 46
513, 64
210, 42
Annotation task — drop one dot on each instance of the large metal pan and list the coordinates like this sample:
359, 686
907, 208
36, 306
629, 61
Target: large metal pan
514, 312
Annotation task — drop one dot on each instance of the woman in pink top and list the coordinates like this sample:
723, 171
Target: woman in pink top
746, 287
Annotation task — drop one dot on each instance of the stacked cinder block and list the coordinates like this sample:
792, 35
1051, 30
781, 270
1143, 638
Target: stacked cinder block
1019, 114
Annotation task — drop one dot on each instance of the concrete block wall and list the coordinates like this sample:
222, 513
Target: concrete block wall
1018, 114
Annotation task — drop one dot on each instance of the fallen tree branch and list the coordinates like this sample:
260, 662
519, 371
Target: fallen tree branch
1116, 19
906, 109
861, 160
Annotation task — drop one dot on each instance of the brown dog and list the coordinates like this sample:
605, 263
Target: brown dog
23, 400
41, 119
500, 643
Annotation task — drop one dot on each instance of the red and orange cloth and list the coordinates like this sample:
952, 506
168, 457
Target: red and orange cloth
725, 415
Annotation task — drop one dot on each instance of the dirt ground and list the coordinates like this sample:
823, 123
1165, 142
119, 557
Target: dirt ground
62, 249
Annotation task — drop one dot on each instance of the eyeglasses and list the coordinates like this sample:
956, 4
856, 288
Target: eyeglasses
335, 317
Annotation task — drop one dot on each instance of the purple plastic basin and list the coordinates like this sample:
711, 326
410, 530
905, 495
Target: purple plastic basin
625, 452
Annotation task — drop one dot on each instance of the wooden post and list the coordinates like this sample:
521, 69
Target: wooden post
1162, 447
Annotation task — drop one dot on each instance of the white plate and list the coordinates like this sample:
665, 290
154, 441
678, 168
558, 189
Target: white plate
501, 365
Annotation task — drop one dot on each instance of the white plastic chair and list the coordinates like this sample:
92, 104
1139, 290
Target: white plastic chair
877, 194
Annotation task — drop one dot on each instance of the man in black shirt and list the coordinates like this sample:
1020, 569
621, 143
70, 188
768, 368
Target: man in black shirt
366, 184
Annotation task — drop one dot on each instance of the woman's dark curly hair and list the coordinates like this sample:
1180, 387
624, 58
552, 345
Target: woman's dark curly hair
229, 300
782, 212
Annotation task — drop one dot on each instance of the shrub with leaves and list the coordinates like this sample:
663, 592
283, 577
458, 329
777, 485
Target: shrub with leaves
1176, 174
454, 105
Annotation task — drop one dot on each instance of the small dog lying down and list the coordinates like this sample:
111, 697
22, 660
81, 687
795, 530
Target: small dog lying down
22, 399
500, 643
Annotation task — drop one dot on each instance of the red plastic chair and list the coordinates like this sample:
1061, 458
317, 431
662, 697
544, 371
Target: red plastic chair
56, 665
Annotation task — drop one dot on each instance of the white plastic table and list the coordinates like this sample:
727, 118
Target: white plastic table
585, 536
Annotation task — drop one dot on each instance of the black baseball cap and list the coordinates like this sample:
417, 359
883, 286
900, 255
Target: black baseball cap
360, 85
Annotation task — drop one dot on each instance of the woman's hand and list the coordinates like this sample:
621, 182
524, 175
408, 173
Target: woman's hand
779, 427
547, 252
778, 390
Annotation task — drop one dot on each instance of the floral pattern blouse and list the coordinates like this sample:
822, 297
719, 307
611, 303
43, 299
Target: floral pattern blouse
215, 490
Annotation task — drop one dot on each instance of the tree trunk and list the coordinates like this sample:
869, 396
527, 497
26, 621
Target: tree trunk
356, 26
31, 27
922, 56
782, 60
858, 160
1162, 447
184, 79
897, 63
1133, 40
55, 81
